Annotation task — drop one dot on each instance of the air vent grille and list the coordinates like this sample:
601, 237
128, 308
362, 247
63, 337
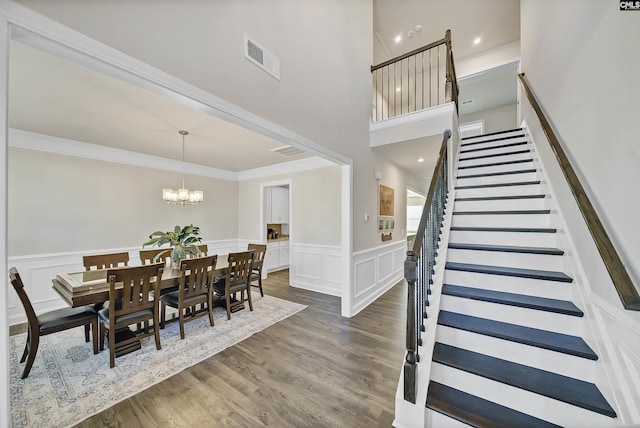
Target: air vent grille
287, 151
261, 57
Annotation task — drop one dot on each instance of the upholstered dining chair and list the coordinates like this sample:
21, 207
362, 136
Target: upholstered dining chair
238, 279
148, 257
195, 288
133, 300
50, 322
261, 250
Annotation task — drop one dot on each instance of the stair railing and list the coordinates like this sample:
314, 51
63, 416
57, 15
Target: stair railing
621, 280
422, 78
419, 266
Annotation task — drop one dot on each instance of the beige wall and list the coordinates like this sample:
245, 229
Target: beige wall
495, 119
315, 205
584, 69
60, 203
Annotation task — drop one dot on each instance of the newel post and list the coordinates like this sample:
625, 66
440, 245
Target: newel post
410, 367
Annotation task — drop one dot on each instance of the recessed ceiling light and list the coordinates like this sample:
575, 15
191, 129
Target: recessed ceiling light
398, 89
477, 41
398, 38
421, 160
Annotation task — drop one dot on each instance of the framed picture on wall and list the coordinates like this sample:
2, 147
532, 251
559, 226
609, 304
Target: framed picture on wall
386, 201
380, 224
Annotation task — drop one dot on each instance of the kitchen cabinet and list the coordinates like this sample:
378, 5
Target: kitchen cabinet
277, 256
276, 205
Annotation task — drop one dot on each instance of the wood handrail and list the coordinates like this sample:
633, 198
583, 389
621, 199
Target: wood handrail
417, 243
407, 55
627, 291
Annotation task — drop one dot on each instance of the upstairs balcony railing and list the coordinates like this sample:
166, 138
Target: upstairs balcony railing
417, 80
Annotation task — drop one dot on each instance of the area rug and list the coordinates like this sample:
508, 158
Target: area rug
68, 383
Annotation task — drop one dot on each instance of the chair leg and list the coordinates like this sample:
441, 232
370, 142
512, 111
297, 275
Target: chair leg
94, 330
249, 298
260, 285
228, 301
86, 332
163, 310
181, 320
112, 346
101, 334
34, 340
26, 347
156, 330
210, 309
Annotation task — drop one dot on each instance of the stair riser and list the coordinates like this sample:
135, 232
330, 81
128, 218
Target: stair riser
530, 189
435, 419
501, 220
510, 284
498, 258
482, 161
496, 168
502, 204
493, 137
495, 179
531, 239
533, 404
567, 365
543, 320
494, 149
490, 144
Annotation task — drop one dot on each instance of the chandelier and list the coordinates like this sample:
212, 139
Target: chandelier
183, 196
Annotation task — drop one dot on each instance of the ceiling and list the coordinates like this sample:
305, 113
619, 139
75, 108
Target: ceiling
46, 90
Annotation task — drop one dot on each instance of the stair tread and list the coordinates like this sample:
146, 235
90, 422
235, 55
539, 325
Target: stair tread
507, 248
544, 339
510, 271
497, 174
513, 299
516, 183
501, 212
504, 229
563, 388
501, 198
493, 155
477, 411
520, 134
499, 146
485, 165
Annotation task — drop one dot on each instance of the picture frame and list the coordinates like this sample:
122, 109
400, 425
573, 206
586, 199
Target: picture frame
386, 201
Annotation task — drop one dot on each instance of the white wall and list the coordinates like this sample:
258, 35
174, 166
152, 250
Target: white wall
501, 55
583, 69
495, 119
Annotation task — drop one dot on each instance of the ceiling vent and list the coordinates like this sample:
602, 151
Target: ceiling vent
287, 151
467, 102
261, 57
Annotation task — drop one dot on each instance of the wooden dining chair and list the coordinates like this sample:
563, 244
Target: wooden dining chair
196, 287
238, 279
148, 257
261, 250
105, 261
133, 300
204, 249
50, 322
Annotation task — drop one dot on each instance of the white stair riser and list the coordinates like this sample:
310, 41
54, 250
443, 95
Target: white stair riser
495, 179
510, 284
526, 189
496, 168
492, 137
533, 239
493, 149
559, 323
491, 144
466, 161
500, 220
435, 419
544, 359
500, 258
502, 204
545, 408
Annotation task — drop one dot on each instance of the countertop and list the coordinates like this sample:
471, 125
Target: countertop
280, 238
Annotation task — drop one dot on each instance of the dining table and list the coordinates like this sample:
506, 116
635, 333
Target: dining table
92, 288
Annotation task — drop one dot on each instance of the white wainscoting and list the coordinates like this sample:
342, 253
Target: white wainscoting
375, 270
38, 271
316, 268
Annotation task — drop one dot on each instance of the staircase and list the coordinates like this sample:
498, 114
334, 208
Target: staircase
511, 342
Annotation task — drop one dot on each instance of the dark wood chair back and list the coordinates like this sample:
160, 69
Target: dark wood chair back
16, 281
105, 261
261, 251
148, 257
204, 249
238, 279
200, 276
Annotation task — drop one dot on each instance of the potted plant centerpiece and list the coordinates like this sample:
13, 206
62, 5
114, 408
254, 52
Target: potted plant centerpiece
182, 241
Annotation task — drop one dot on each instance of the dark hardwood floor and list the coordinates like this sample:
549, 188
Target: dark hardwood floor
313, 369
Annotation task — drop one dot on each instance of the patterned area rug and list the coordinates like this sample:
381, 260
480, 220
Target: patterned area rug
68, 383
